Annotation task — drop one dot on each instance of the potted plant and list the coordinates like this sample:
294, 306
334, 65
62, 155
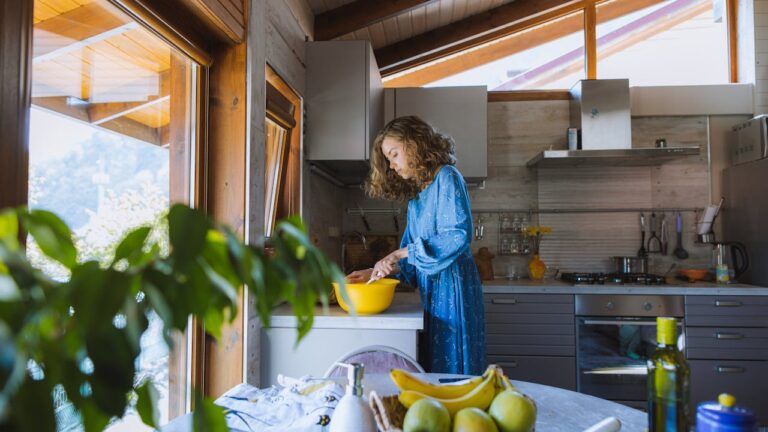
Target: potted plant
66, 335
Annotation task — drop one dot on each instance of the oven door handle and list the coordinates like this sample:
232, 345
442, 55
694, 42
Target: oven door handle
619, 323
621, 370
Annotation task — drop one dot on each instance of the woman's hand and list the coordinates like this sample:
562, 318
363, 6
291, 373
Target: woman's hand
388, 264
360, 276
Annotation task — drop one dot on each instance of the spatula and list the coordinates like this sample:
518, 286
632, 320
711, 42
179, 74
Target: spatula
679, 252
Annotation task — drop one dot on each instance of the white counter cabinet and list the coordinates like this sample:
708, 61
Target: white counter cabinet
335, 334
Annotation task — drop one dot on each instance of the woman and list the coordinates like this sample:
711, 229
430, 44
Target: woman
412, 161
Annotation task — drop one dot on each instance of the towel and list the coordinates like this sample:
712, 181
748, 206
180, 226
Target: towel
305, 405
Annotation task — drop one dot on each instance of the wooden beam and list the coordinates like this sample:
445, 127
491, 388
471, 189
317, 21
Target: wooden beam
543, 29
732, 7
226, 198
222, 17
468, 28
15, 90
103, 112
590, 40
360, 14
78, 28
78, 110
528, 95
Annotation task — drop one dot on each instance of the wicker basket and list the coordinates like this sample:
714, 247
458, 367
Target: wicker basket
388, 411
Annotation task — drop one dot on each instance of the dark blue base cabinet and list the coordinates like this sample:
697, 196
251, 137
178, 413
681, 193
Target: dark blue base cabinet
531, 336
727, 349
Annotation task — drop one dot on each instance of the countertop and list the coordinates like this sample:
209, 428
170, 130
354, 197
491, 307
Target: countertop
555, 286
405, 313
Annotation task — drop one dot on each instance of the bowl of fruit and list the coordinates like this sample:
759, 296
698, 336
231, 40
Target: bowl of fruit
486, 403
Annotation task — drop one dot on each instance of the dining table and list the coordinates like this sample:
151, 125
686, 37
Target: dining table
558, 410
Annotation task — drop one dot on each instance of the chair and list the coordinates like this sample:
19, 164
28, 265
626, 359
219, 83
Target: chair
377, 359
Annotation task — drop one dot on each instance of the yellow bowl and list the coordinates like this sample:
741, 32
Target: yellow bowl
368, 299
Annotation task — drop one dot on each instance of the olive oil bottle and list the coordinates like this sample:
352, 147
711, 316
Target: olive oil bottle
668, 382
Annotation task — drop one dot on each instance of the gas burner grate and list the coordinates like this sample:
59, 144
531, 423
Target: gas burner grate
613, 278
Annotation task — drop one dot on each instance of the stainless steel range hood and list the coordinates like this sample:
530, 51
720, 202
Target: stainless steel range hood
618, 157
600, 109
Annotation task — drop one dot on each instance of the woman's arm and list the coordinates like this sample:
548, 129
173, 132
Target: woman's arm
454, 223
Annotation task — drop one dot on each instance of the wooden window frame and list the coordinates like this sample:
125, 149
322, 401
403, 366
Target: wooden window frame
588, 9
219, 181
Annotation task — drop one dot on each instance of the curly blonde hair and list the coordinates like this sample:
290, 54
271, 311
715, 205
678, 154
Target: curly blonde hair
426, 149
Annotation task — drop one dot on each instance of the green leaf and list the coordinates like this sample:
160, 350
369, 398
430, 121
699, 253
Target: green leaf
146, 404
93, 419
188, 229
35, 394
52, 235
9, 229
113, 368
131, 247
208, 417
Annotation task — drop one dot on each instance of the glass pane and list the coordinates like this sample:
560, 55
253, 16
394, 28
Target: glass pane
276, 141
110, 149
675, 42
548, 56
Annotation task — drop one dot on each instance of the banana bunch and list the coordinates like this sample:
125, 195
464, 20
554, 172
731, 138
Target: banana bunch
477, 392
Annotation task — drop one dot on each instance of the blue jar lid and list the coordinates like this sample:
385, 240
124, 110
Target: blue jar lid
725, 412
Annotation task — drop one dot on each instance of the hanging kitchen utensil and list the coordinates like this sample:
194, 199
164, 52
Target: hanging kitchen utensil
664, 235
362, 216
642, 252
679, 252
654, 244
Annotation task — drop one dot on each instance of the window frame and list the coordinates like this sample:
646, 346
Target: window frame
589, 11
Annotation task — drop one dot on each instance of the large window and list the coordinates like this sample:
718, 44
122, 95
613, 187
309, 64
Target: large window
111, 144
651, 42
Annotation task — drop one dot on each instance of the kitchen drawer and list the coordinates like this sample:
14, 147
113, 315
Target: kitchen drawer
747, 380
552, 371
529, 340
527, 328
727, 343
527, 318
726, 311
529, 303
533, 349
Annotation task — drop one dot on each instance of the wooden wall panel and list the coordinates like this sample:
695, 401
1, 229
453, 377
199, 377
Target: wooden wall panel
15, 95
226, 196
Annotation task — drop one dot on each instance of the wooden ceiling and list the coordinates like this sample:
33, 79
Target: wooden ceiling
94, 64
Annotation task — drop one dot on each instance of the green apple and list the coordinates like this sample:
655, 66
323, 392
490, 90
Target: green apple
513, 411
427, 415
473, 420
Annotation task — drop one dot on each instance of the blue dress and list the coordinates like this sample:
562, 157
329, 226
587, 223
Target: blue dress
440, 265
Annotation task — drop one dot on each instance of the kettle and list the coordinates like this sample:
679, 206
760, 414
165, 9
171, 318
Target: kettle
730, 260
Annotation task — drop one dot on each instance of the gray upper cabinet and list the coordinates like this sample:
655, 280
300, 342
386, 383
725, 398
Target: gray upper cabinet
461, 112
344, 99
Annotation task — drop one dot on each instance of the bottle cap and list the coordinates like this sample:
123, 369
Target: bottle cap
724, 412
666, 330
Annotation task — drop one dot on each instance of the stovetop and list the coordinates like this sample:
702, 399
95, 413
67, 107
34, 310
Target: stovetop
613, 278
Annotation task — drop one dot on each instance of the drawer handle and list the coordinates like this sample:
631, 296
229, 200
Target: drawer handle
727, 303
729, 336
512, 364
504, 301
729, 369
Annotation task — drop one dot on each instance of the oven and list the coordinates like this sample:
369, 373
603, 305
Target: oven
615, 335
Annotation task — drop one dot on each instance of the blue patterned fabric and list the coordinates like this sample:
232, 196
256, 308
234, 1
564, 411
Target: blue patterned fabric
440, 264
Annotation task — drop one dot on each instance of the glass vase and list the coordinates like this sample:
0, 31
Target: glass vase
536, 268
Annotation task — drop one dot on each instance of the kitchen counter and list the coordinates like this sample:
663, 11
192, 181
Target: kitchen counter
405, 313
555, 286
